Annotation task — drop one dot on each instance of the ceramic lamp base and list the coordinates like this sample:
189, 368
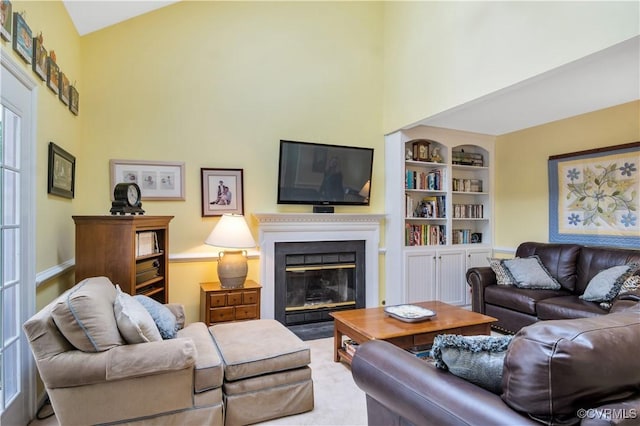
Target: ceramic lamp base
232, 268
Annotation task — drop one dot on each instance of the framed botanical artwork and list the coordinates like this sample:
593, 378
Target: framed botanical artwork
158, 180
63, 93
74, 100
22, 38
222, 191
61, 173
53, 75
39, 63
594, 196
6, 19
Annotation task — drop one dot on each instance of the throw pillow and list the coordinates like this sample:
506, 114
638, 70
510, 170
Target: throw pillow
162, 316
477, 359
606, 284
134, 322
530, 273
503, 277
630, 284
84, 315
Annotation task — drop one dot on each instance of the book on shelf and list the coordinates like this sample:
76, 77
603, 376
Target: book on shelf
424, 234
146, 243
423, 180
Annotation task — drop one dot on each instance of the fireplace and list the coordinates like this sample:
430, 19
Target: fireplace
278, 228
315, 278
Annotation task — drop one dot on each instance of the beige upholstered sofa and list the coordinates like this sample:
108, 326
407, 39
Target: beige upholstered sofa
93, 376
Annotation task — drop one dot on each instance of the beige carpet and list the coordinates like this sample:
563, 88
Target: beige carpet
338, 401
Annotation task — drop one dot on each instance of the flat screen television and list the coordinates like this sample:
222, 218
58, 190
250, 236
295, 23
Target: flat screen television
321, 174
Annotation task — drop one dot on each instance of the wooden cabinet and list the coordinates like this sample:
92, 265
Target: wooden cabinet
219, 304
439, 208
132, 251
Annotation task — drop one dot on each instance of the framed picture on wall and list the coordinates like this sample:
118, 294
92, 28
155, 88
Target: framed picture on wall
53, 75
61, 173
594, 197
39, 64
22, 38
63, 94
6, 19
74, 100
222, 191
158, 180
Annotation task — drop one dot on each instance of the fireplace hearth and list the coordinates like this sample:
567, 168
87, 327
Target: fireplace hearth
315, 278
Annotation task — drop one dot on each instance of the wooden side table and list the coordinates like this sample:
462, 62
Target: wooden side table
219, 304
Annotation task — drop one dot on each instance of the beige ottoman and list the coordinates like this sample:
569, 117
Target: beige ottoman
266, 373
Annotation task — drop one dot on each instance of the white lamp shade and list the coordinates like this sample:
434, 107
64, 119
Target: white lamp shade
231, 231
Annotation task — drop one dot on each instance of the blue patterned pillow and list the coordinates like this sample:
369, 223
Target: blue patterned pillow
162, 316
606, 285
530, 273
477, 359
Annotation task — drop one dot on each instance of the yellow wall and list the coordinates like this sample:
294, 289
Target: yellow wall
54, 227
441, 54
522, 194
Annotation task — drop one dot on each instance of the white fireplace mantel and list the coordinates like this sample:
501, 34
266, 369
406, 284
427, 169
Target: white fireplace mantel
298, 227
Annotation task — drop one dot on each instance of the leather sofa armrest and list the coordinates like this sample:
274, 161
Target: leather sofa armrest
419, 392
77, 368
479, 278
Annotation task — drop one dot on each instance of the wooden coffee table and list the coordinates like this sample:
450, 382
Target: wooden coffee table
362, 325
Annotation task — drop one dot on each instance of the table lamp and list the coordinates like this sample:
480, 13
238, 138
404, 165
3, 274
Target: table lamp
231, 232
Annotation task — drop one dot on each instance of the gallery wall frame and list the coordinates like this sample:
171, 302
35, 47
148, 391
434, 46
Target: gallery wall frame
222, 191
22, 38
594, 196
62, 172
158, 180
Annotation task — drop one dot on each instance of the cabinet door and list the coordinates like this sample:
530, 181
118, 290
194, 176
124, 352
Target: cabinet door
420, 276
475, 258
451, 277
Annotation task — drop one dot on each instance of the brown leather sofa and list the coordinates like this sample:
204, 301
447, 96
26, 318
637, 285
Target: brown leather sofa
572, 265
560, 372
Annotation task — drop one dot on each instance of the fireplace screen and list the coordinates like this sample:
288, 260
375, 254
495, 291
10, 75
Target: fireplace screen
320, 286
315, 278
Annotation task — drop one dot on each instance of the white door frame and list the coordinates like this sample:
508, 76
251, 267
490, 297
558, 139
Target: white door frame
27, 407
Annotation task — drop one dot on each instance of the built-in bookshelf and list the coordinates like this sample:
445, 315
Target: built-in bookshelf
132, 251
439, 211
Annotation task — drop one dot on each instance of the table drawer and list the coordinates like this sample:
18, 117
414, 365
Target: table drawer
222, 314
216, 300
246, 312
250, 297
234, 298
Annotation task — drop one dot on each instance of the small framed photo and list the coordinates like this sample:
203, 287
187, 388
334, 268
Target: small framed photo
6, 19
63, 93
158, 180
62, 172
53, 75
74, 100
22, 38
222, 191
39, 64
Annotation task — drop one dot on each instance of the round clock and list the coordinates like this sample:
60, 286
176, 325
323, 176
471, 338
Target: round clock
127, 199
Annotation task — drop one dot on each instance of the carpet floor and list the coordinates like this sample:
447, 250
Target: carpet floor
338, 401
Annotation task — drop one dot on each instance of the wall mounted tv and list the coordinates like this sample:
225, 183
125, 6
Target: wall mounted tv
321, 174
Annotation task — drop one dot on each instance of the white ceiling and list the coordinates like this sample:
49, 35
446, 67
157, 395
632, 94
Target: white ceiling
93, 15
601, 80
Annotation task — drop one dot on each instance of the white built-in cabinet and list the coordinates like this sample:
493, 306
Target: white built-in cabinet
439, 203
